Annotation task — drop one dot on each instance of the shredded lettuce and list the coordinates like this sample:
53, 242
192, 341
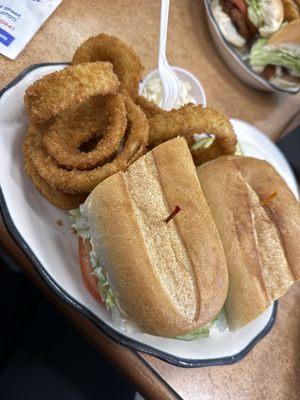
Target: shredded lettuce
104, 288
81, 225
238, 151
202, 332
217, 325
254, 13
261, 56
205, 141
264, 16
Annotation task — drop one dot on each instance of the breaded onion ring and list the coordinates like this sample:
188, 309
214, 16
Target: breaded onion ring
126, 63
75, 181
63, 89
149, 107
75, 127
56, 197
191, 119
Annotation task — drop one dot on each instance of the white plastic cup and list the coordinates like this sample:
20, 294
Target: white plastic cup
196, 92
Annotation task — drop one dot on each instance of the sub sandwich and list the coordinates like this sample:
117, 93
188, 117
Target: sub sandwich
153, 245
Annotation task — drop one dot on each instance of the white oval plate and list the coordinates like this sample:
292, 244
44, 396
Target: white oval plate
32, 222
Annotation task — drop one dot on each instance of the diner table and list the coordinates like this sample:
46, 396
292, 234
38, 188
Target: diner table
272, 368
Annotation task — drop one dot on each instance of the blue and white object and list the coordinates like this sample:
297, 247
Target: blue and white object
19, 22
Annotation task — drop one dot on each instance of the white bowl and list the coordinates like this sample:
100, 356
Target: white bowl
239, 67
197, 91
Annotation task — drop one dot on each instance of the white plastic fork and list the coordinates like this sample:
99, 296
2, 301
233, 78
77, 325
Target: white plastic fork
170, 82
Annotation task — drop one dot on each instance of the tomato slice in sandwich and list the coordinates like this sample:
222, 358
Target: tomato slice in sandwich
241, 5
90, 280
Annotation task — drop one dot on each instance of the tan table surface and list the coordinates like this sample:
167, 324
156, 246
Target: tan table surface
271, 370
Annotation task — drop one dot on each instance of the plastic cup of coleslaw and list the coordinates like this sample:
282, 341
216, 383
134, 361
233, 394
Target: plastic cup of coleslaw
192, 90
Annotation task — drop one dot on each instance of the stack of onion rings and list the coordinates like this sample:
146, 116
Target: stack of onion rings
87, 122
68, 110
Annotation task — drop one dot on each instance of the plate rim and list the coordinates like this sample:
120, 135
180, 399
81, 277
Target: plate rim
70, 301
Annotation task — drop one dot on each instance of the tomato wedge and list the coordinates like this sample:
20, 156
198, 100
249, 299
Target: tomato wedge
241, 5
90, 280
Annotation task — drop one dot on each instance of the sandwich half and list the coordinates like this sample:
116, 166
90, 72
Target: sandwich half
154, 244
279, 55
258, 219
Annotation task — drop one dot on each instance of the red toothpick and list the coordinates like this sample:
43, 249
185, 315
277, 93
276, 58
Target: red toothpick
268, 199
173, 213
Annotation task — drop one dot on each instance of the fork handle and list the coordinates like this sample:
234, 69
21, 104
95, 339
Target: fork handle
164, 17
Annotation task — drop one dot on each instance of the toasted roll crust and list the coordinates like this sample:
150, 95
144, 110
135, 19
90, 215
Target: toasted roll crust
258, 219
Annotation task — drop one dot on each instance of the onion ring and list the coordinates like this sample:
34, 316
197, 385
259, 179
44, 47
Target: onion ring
62, 143
191, 119
75, 181
56, 197
126, 63
149, 107
63, 89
